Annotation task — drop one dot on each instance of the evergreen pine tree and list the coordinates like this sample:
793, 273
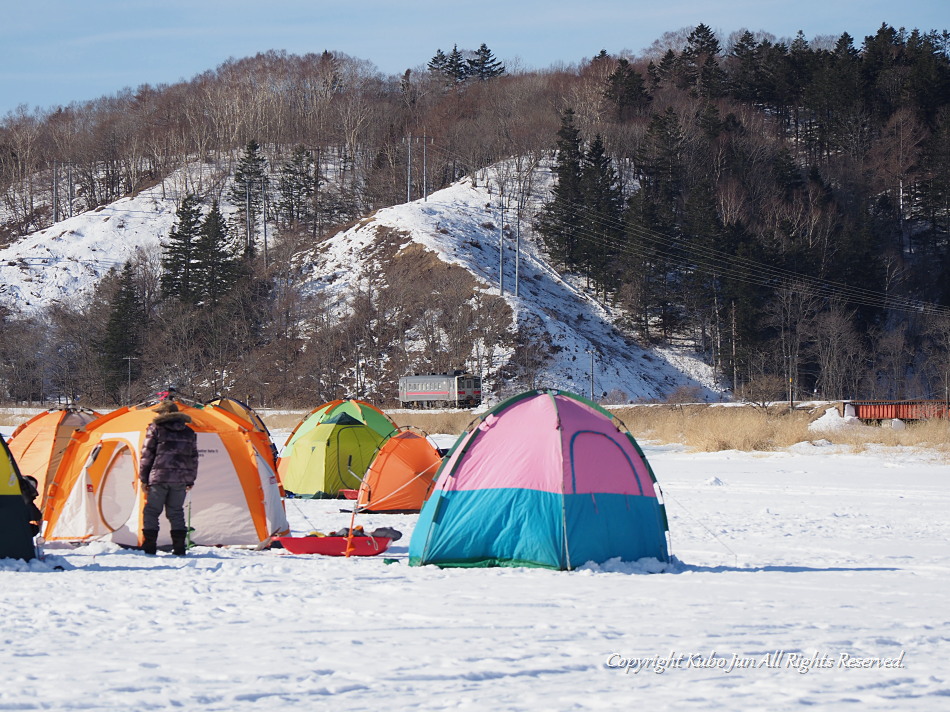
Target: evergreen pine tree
602, 226
744, 81
218, 267
654, 210
247, 192
437, 64
483, 65
559, 221
177, 280
456, 68
702, 234
296, 184
645, 288
699, 64
662, 173
935, 197
121, 344
665, 71
625, 90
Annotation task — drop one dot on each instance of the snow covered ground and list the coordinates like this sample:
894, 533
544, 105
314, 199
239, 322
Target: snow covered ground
810, 577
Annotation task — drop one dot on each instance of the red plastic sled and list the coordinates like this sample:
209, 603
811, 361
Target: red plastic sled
335, 545
350, 493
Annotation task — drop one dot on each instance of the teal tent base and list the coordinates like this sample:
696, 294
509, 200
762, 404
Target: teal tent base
517, 527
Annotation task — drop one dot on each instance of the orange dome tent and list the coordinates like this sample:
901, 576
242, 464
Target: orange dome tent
95, 493
401, 474
243, 410
39, 443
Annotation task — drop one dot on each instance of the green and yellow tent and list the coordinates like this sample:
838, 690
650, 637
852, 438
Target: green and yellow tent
331, 448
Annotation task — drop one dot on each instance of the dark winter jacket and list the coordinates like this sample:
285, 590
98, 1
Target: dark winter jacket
28, 490
170, 451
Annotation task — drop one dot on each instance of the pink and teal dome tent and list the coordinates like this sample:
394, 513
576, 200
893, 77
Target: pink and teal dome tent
546, 479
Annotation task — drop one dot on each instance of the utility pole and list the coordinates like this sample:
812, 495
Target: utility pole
66, 375
247, 213
55, 193
129, 359
69, 180
735, 367
592, 353
788, 362
425, 175
521, 204
264, 210
501, 246
517, 252
409, 171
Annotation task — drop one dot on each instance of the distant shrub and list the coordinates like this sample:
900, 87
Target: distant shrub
615, 397
763, 389
686, 394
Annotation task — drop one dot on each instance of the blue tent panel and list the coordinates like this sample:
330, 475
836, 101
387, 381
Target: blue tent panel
520, 527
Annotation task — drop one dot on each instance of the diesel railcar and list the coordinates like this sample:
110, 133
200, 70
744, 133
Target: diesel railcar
441, 390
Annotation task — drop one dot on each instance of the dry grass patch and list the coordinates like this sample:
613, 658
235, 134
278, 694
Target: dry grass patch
930, 434
709, 429
442, 422
702, 428
283, 420
12, 420
432, 422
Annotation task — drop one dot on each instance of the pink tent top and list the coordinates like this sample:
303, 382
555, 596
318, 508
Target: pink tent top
551, 443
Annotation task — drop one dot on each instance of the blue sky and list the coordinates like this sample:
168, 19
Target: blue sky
53, 52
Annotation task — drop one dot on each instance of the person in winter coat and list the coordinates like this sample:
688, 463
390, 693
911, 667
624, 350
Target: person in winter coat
167, 470
28, 488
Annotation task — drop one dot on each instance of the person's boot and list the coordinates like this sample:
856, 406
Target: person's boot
178, 541
149, 540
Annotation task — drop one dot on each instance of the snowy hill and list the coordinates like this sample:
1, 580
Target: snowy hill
457, 224
66, 260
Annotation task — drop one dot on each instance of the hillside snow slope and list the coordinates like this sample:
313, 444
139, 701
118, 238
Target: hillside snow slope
457, 224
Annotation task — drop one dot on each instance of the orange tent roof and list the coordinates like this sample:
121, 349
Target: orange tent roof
39, 443
401, 474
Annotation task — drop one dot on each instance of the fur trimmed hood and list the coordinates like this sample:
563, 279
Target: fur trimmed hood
173, 417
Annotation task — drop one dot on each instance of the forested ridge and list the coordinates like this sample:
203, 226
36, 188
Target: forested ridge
783, 205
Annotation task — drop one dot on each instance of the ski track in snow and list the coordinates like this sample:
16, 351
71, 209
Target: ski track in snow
807, 551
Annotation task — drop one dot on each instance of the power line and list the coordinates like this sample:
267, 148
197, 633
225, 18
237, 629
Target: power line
745, 270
